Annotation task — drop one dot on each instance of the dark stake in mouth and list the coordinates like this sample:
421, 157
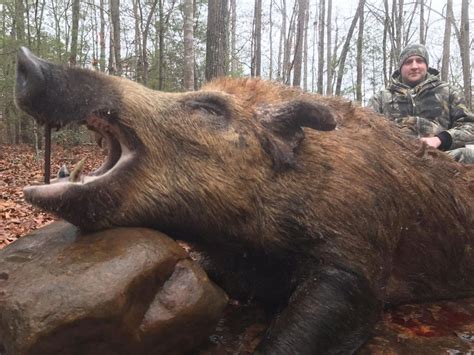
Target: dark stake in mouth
47, 153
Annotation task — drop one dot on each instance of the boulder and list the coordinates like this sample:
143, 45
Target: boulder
118, 291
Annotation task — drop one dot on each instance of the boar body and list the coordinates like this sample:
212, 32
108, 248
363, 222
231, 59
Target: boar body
307, 203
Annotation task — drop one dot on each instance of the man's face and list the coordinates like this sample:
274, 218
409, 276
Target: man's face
414, 70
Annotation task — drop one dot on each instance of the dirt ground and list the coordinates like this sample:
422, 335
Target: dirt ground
416, 329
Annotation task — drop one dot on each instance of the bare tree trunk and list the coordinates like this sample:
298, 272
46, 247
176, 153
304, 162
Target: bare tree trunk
281, 49
28, 24
252, 47
298, 61
447, 41
305, 47
102, 36
426, 18
3, 33
328, 49
360, 48
255, 65
389, 33
313, 58
188, 45
111, 67
288, 64
464, 46
18, 33
74, 32
287, 47
422, 22
18, 27
57, 29
137, 13
345, 48
161, 40
216, 34
386, 30
334, 59
38, 20
67, 28
95, 34
160, 28
258, 38
398, 27
270, 40
322, 13
407, 27
146, 31
115, 20
233, 24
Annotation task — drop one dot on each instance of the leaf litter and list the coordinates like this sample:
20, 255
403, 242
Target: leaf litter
19, 167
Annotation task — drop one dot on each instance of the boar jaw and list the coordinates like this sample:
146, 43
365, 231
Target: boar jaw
116, 149
63, 197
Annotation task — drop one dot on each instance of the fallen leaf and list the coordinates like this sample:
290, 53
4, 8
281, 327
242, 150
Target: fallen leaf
21, 168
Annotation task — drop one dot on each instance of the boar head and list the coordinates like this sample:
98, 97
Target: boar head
197, 162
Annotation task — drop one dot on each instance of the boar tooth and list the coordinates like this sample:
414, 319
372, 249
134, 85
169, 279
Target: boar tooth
63, 171
74, 177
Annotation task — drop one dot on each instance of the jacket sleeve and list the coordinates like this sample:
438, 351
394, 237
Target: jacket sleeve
462, 122
419, 126
375, 103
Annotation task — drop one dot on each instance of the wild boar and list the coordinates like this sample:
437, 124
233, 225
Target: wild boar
307, 203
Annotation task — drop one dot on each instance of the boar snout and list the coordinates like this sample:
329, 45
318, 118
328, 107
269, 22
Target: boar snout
30, 79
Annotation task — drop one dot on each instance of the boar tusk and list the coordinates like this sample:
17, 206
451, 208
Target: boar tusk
74, 177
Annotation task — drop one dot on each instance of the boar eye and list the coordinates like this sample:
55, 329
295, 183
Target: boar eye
108, 114
212, 105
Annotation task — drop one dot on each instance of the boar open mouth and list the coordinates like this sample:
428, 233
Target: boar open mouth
89, 200
118, 152
110, 139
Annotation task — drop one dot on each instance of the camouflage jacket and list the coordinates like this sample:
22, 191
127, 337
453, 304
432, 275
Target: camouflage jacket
432, 108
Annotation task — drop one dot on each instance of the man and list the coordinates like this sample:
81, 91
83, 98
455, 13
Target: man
424, 106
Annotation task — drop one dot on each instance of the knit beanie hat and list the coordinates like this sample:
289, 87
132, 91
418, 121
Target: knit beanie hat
413, 49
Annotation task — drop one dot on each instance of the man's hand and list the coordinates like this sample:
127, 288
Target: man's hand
434, 142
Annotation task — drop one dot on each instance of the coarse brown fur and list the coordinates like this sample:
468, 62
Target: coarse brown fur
359, 215
366, 179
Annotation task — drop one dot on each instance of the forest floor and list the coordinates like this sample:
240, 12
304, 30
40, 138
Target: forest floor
433, 328
19, 167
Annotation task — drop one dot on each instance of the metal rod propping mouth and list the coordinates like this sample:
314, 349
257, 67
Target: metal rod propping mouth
47, 153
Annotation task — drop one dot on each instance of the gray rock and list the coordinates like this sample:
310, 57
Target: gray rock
119, 291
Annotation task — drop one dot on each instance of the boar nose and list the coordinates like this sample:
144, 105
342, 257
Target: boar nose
30, 79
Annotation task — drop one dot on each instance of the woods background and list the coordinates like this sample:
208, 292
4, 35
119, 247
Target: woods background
345, 48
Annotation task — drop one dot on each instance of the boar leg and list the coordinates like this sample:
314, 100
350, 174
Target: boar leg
332, 312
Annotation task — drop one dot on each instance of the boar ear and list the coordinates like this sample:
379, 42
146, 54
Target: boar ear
291, 116
284, 133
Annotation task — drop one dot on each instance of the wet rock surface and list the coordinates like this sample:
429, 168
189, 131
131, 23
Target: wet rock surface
135, 291
119, 291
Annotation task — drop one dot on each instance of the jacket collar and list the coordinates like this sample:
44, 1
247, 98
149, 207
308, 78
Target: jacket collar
431, 80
